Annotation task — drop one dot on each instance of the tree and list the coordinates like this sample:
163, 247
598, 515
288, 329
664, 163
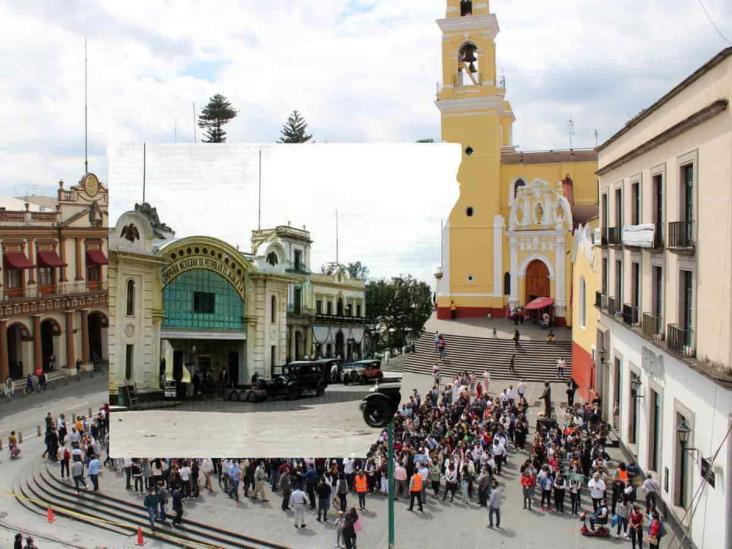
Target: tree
293, 131
214, 116
427, 140
397, 308
357, 271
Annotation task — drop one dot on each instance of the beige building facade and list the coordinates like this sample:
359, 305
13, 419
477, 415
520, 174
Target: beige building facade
53, 293
664, 345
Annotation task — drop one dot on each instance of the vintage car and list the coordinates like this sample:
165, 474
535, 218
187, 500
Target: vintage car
295, 378
362, 371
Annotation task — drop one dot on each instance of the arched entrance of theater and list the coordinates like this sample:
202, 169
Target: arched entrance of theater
340, 345
97, 325
537, 282
17, 335
50, 330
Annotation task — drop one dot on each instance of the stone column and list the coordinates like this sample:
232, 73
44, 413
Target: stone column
62, 255
32, 259
559, 278
78, 242
498, 255
85, 336
70, 357
4, 364
37, 354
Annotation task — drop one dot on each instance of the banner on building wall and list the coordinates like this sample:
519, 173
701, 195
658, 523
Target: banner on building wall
639, 235
188, 263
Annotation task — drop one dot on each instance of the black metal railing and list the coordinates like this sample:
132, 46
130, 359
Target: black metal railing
612, 306
615, 236
341, 319
630, 314
603, 236
598, 300
680, 340
681, 234
652, 326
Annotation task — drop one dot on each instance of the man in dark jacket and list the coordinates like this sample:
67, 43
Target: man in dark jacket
324, 494
177, 506
151, 505
285, 487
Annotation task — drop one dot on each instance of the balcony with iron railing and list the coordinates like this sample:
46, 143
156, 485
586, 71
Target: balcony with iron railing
340, 319
53, 290
630, 314
652, 326
614, 236
613, 307
658, 243
681, 236
598, 299
680, 341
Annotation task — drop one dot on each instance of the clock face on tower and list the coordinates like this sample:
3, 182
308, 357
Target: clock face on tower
91, 184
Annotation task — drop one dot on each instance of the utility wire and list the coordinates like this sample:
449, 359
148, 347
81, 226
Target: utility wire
716, 28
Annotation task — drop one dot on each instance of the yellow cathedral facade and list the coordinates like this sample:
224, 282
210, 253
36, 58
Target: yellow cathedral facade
508, 238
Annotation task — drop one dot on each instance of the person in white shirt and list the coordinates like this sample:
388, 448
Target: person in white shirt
650, 490
298, 500
486, 381
597, 490
560, 367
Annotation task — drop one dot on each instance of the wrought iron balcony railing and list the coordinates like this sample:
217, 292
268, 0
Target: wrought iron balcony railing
630, 314
615, 236
680, 340
681, 235
652, 326
52, 290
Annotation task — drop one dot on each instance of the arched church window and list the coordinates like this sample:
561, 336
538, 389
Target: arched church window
130, 297
272, 258
468, 65
506, 283
517, 185
466, 7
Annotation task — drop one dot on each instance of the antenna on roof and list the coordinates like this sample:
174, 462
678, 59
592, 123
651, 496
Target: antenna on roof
144, 162
86, 157
259, 206
570, 124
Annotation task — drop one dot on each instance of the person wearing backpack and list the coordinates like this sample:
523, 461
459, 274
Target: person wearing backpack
656, 530
342, 490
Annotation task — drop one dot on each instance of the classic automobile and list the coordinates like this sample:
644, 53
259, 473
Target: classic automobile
295, 378
361, 371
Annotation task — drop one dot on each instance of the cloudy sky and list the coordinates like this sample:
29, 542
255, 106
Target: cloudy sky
359, 70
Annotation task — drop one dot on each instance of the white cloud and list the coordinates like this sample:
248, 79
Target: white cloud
358, 71
390, 197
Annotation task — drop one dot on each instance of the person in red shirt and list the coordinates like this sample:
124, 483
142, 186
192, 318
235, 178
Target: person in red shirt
528, 483
635, 520
654, 530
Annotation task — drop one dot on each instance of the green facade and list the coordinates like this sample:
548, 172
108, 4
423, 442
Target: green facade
188, 303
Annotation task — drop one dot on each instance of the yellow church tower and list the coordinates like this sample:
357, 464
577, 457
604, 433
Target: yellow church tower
475, 114
506, 240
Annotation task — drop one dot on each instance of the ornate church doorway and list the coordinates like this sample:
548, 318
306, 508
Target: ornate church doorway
537, 280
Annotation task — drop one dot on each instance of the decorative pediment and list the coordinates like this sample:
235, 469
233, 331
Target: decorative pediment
540, 206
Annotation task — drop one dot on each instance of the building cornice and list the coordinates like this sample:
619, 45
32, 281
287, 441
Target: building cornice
487, 24
471, 105
699, 117
56, 303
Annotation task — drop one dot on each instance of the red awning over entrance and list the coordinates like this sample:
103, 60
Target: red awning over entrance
96, 257
50, 259
539, 303
17, 260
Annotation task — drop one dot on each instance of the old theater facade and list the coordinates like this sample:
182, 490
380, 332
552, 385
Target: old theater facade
53, 268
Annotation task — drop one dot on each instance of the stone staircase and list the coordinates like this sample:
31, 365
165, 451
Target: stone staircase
535, 360
44, 489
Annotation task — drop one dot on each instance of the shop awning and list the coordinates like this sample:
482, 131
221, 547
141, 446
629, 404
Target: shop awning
50, 259
96, 257
17, 260
539, 303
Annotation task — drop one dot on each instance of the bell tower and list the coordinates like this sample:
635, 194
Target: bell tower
475, 114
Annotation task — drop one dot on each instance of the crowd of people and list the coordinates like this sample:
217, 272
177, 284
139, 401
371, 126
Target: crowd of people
457, 440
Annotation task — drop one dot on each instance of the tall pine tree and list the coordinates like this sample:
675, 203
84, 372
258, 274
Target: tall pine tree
294, 130
214, 116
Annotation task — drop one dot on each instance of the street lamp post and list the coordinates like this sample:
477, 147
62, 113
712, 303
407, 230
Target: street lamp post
390, 472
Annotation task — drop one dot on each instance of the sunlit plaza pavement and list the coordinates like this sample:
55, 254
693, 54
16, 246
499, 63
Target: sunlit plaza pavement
330, 425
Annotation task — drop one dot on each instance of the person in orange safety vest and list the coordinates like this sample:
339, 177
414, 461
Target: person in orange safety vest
362, 486
415, 491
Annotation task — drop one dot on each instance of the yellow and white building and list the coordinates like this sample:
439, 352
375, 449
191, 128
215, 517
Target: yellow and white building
508, 237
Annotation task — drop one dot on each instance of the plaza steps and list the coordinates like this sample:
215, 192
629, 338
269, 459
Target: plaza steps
535, 360
44, 489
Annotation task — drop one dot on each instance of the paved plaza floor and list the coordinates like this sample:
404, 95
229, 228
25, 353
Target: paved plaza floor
330, 425
483, 327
